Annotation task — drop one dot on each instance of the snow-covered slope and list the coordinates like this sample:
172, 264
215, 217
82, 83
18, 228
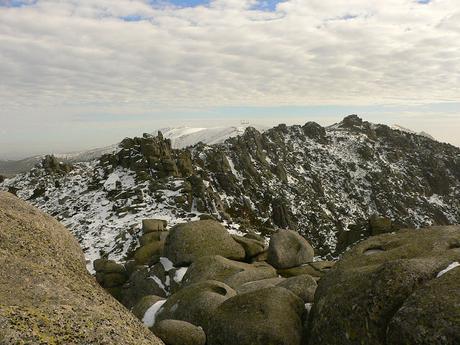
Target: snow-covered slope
182, 137
407, 130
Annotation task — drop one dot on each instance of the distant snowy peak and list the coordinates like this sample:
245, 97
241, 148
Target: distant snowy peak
403, 129
182, 137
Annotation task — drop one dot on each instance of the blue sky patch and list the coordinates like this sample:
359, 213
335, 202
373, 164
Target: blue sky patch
17, 3
132, 18
180, 3
267, 5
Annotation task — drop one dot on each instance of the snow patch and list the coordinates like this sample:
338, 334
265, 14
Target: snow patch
179, 274
151, 313
448, 268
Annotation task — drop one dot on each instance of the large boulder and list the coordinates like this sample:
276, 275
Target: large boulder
288, 249
431, 315
271, 316
187, 242
46, 294
196, 303
176, 332
386, 284
303, 286
230, 272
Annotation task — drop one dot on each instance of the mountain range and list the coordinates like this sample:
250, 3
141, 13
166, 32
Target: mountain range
324, 182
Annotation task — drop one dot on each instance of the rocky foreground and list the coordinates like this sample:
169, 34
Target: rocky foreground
195, 284
46, 294
396, 288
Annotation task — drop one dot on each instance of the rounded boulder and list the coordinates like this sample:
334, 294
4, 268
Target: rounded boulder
176, 332
189, 241
289, 249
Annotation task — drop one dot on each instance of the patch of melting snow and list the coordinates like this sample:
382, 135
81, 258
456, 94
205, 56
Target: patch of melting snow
159, 283
179, 274
151, 313
167, 264
448, 268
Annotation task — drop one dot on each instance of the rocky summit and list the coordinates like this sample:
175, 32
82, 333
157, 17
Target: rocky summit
46, 294
333, 185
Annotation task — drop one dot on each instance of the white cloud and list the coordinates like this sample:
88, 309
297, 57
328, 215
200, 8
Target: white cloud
81, 54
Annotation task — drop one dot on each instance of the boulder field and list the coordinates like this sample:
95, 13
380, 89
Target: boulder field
46, 294
394, 288
196, 284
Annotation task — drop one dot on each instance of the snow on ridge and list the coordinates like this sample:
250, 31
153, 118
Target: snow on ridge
182, 137
407, 130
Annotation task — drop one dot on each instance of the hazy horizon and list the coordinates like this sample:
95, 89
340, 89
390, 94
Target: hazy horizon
83, 74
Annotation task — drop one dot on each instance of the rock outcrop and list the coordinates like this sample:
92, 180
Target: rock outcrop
388, 290
46, 294
190, 241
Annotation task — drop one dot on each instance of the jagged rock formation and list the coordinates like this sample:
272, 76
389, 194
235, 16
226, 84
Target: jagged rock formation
325, 183
46, 294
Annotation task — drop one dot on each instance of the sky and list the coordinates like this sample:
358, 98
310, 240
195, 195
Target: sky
77, 74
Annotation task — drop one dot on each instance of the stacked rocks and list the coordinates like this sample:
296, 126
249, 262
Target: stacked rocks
111, 276
214, 288
221, 288
152, 241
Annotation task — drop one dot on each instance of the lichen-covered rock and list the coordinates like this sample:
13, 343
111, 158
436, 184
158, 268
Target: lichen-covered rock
380, 225
315, 269
431, 315
176, 332
152, 225
187, 242
271, 316
230, 272
380, 281
149, 253
288, 249
144, 304
251, 246
303, 286
46, 294
196, 303
259, 285
140, 284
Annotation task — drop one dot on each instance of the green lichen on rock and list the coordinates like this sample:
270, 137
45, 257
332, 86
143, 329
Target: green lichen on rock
46, 294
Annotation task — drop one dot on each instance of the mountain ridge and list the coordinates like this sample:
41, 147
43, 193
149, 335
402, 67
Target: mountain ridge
324, 182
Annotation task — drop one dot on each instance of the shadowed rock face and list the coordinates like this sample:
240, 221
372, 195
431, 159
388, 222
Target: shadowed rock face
46, 294
388, 290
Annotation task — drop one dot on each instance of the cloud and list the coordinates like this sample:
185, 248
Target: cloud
304, 52
139, 56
